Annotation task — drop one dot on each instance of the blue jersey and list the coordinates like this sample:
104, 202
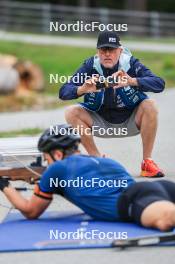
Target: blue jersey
94, 184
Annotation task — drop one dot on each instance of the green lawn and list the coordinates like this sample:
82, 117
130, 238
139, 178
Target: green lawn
23, 132
65, 60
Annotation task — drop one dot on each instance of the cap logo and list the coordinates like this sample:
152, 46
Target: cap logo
112, 39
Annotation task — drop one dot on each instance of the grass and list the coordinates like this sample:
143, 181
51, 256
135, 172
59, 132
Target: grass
23, 132
65, 60
52, 59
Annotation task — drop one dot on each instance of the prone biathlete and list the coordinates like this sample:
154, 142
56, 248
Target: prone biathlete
101, 187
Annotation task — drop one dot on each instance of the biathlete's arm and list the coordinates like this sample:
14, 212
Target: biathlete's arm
31, 208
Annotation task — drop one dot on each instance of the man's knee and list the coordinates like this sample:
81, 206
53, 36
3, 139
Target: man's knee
72, 113
160, 215
76, 113
167, 221
149, 107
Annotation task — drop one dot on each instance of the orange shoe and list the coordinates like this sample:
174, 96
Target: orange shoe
150, 169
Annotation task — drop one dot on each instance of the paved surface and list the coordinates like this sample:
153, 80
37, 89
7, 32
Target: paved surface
128, 152
31, 119
83, 42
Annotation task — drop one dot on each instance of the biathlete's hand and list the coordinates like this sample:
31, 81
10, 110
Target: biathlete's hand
3, 183
124, 79
89, 86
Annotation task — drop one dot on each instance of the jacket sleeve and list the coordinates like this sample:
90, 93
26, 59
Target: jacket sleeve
147, 81
69, 90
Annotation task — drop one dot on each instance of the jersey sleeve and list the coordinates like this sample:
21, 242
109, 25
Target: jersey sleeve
69, 90
39, 193
46, 188
147, 81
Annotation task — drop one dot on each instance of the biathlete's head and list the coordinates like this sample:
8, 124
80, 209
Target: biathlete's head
58, 143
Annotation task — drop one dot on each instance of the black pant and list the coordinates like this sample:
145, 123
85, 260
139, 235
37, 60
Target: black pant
141, 194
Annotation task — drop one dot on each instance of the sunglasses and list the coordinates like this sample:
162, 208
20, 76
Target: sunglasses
107, 49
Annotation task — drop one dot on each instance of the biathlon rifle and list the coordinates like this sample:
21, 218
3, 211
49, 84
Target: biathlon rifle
30, 174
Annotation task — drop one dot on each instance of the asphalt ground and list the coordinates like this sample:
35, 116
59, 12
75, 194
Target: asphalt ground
128, 151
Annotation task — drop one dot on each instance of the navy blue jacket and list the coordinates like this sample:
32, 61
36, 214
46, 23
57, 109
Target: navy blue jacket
148, 82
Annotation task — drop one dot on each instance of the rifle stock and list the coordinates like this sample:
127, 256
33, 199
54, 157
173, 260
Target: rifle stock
22, 173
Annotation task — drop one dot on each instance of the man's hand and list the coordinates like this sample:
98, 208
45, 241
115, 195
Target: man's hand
89, 86
124, 79
3, 183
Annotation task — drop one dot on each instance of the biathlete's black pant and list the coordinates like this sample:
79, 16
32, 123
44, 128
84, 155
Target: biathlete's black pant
139, 195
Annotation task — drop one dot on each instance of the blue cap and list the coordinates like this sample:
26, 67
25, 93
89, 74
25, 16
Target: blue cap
108, 39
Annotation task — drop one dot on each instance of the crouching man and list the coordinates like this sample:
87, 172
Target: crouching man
105, 191
122, 110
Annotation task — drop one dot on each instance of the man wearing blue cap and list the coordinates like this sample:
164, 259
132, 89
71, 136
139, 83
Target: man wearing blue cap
117, 109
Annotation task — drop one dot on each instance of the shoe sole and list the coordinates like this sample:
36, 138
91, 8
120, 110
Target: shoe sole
149, 175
